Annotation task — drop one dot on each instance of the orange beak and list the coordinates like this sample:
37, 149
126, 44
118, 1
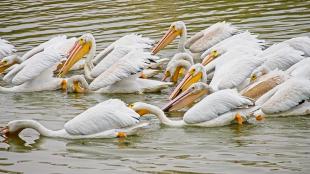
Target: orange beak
207, 59
78, 51
187, 81
184, 99
170, 35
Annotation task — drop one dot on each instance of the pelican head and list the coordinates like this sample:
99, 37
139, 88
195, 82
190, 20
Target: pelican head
255, 74
82, 46
12, 128
194, 92
196, 73
8, 61
210, 57
178, 66
176, 29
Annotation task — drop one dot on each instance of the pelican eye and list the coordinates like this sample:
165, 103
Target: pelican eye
131, 106
253, 77
4, 61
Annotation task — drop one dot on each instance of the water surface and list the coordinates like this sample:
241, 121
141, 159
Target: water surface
277, 146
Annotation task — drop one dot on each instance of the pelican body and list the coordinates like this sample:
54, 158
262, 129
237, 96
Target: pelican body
109, 119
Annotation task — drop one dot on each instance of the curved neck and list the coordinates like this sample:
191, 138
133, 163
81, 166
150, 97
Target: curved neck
163, 118
88, 66
181, 45
24, 124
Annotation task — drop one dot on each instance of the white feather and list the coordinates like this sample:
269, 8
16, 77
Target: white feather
110, 114
214, 105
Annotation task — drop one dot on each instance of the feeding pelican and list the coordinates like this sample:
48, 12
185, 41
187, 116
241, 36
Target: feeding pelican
118, 70
36, 70
108, 119
178, 65
269, 81
198, 43
290, 98
283, 57
217, 109
244, 42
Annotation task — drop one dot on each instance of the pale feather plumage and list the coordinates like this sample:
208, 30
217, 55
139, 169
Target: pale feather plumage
215, 105
118, 49
132, 63
242, 41
300, 69
282, 58
233, 73
26, 71
301, 44
110, 114
6, 48
288, 95
210, 36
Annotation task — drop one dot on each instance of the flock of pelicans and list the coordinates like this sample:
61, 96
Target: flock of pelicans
238, 78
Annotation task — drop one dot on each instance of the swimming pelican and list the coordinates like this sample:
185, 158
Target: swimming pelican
245, 42
118, 72
217, 109
290, 98
179, 64
198, 43
36, 73
228, 74
6, 48
281, 58
61, 43
269, 81
108, 119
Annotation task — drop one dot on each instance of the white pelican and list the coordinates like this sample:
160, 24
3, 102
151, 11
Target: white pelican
269, 81
60, 43
118, 71
244, 42
36, 73
195, 73
217, 109
290, 98
228, 74
111, 118
281, 58
6, 48
178, 65
198, 43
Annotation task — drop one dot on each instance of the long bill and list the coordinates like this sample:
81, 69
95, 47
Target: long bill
184, 99
78, 51
170, 35
209, 58
188, 80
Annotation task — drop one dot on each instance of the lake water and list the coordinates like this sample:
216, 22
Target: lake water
278, 145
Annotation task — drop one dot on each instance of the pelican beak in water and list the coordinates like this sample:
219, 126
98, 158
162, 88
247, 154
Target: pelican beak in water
177, 73
210, 57
170, 35
4, 65
4, 131
190, 78
186, 98
79, 50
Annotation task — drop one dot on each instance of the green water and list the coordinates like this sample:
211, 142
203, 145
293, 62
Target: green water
276, 146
